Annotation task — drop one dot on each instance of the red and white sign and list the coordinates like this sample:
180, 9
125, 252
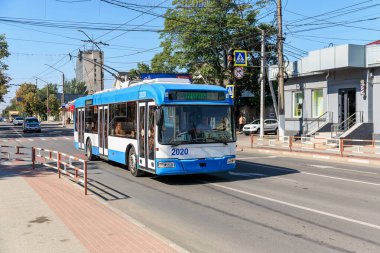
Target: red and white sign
239, 72
362, 87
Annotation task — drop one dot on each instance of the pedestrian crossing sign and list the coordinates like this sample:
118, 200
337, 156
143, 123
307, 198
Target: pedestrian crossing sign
240, 57
230, 90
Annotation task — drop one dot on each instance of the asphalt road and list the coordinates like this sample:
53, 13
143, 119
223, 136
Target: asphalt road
267, 204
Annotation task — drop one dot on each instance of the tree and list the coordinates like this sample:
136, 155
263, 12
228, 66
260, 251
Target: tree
198, 35
75, 87
4, 79
27, 98
141, 68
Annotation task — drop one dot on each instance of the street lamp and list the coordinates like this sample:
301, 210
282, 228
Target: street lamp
47, 97
63, 92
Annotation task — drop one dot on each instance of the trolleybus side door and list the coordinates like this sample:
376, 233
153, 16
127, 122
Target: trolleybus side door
80, 127
142, 140
147, 135
103, 130
151, 136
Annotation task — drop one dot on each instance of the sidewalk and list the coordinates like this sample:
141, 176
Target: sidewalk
57, 123
244, 144
41, 213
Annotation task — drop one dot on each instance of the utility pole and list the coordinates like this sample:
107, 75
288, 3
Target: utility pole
281, 102
262, 88
63, 93
90, 40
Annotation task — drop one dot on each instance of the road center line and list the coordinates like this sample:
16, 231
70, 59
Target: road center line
255, 157
298, 206
319, 175
333, 168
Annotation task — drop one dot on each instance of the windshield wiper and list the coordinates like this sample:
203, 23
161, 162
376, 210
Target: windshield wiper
217, 140
176, 143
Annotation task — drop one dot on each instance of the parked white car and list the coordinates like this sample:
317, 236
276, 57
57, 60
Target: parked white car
18, 121
270, 126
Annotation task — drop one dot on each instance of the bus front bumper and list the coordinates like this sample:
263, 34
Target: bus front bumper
194, 166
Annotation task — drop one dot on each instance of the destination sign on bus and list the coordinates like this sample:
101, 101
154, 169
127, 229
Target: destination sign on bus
196, 95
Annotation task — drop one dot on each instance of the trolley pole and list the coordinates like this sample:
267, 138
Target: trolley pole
281, 102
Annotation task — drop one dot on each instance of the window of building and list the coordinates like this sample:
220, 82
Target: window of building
297, 104
317, 103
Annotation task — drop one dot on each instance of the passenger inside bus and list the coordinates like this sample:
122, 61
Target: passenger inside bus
119, 130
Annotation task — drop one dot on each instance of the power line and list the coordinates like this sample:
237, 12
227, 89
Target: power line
330, 12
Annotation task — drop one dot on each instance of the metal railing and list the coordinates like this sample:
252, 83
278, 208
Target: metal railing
338, 129
310, 127
65, 164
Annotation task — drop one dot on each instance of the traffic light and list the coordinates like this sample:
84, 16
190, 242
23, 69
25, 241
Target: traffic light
230, 58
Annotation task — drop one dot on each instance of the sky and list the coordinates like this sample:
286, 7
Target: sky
308, 25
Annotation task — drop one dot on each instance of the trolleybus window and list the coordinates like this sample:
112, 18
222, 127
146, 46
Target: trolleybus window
91, 119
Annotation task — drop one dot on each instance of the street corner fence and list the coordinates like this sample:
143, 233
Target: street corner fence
18, 153
65, 164
342, 147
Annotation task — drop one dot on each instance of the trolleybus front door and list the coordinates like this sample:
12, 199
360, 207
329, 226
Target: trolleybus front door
80, 127
103, 130
146, 135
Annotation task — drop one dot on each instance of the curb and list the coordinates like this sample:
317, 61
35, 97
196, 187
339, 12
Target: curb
314, 156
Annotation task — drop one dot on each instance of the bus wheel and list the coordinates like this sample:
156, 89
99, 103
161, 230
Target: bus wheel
132, 163
89, 155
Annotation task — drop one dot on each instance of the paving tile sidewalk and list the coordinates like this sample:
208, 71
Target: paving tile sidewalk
40, 213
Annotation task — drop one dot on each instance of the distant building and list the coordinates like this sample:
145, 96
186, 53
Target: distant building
88, 69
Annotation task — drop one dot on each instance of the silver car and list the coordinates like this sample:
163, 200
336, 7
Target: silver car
270, 126
31, 124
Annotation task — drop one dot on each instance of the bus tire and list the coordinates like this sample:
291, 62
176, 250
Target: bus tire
89, 154
132, 163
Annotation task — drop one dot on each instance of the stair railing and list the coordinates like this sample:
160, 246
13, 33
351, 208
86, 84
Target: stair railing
316, 123
338, 129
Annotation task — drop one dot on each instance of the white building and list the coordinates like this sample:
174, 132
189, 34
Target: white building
334, 91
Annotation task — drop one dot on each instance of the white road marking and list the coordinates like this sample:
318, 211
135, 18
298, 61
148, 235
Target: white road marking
285, 179
43, 139
248, 174
333, 168
298, 206
358, 161
13, 128
321, 156
30, 140
67, 138
319, 175
256, 157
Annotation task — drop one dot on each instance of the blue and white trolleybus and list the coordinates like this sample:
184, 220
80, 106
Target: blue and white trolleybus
161, 126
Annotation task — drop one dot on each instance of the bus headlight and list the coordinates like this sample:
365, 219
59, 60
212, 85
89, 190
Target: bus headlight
166, 165
231, 160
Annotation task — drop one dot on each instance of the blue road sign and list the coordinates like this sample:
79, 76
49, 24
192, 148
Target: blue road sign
240, 58
230, 90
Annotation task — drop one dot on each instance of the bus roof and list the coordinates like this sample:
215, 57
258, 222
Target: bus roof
155, 91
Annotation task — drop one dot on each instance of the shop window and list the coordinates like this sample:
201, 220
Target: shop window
317, 103
297, 104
